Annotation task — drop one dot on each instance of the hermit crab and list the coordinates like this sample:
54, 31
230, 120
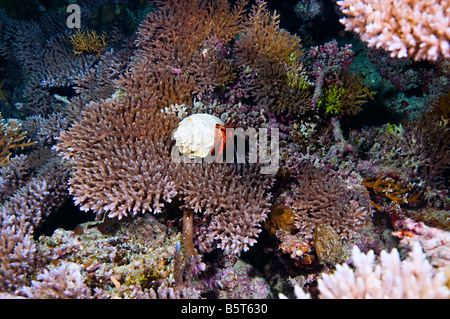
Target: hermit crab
200, 135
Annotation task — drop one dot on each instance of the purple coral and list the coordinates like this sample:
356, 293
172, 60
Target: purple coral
327, 62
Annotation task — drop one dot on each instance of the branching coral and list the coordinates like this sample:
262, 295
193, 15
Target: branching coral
41, 54
12, 137
233, 203
88, 41
273, 55
322, 197
391, 278
393, 189
171, 41
63, 282
19, 216
407, 28
120, 148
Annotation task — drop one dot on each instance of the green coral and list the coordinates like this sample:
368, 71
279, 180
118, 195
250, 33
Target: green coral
331, 99
394, 129
297, 80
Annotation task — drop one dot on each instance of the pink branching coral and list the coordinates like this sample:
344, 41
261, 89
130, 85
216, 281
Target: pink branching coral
20, 215
408, 28
435, 241
390, 278
63, 282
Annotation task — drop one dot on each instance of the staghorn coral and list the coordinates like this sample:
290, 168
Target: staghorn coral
39, 56
46, 130
232, 201
406, 28
388, 278
323, 197
14, 176
20, 215
17, 251
42, 59
120, 156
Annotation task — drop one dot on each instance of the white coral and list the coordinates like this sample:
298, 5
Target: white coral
391, 278
407, 28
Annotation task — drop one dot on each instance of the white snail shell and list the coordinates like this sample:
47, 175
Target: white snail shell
196, 133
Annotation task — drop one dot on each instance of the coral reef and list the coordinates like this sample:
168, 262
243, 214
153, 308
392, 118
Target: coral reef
130, 261
134, 136
106, 192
